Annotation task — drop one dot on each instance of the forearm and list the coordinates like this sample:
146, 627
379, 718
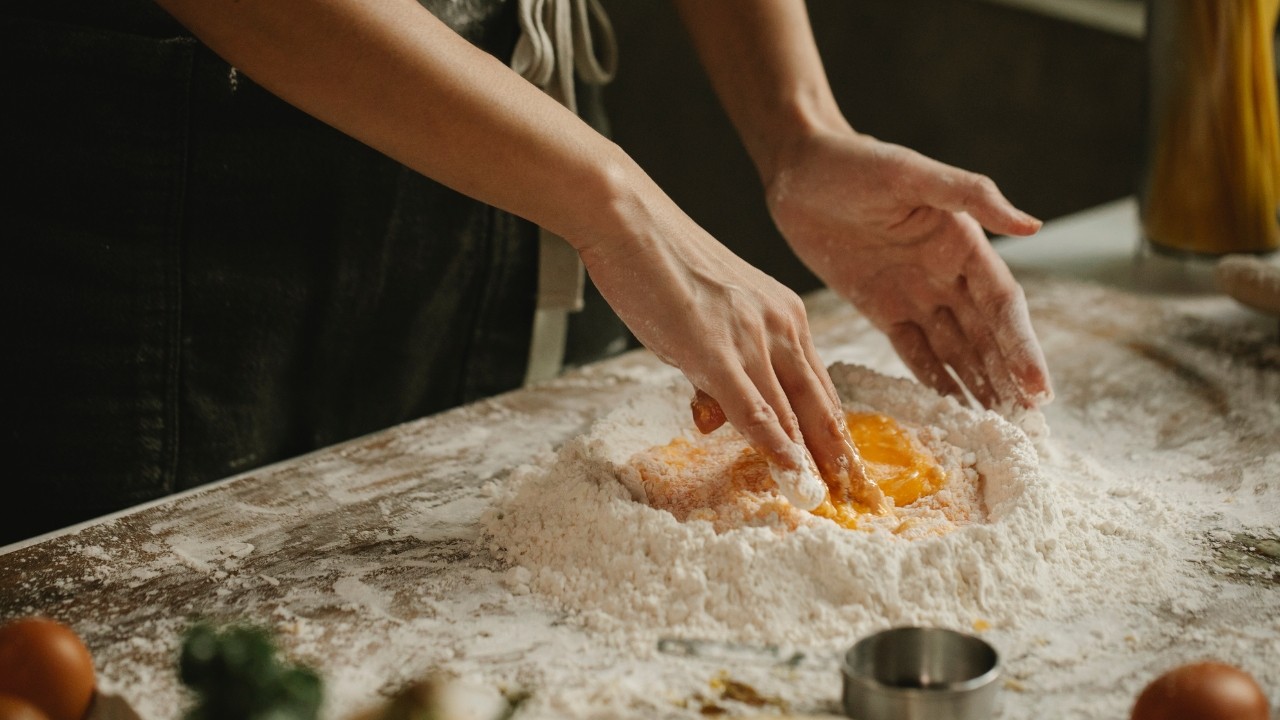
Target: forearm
390, 74
764, 65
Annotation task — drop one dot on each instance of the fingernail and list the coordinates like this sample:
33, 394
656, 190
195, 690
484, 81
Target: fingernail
802, 487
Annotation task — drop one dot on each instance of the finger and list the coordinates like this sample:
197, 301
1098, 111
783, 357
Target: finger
797, 488
816, 405
952, 347
1016, 365
708, 416
1001, 306
759, 413
824, 377
1024, 355
840, 462
977, 327
957, 190
913, 347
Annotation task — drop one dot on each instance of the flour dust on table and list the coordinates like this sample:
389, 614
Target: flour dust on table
595, 584
1083, 559
983, 549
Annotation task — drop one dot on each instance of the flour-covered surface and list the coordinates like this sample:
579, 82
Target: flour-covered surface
1159, 485
771, 576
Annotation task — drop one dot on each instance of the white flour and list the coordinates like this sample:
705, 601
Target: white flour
1133, 547
1115, 562
637, 572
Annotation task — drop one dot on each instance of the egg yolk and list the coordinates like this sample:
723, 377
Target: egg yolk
904, 469
719, 475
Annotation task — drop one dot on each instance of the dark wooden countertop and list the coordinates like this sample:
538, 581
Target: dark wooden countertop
359, 553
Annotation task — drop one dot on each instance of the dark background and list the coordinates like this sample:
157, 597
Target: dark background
1049, 108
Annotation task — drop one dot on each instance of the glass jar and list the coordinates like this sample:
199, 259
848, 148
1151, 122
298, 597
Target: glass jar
1212, 181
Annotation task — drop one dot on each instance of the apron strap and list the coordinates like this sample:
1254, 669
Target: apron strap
556, 39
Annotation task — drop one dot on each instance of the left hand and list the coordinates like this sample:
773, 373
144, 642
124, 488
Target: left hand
900, 236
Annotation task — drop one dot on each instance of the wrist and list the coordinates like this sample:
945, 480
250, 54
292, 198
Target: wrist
614, 207
791, 124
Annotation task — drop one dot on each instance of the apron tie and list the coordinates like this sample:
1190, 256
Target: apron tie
556, 39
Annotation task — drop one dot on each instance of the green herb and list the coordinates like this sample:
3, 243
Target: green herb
236, 676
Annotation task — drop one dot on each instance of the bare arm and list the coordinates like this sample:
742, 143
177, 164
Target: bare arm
390, 74
765, 68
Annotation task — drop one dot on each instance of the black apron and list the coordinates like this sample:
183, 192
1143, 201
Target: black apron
200, 279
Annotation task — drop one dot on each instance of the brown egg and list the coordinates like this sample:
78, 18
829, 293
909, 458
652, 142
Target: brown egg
1203, 691
46, 664
12, 708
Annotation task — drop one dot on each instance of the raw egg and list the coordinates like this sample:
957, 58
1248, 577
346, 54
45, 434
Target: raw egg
45, 663
903, 468
1203, 691
720, 478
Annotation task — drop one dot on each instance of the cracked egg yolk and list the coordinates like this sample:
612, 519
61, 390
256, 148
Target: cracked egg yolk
719, 477
903, 468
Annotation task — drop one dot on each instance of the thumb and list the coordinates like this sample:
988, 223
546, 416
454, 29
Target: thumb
956, 190
708, 416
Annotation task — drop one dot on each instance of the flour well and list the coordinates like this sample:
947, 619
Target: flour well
580, 535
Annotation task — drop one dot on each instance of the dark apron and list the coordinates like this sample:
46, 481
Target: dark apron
199, 279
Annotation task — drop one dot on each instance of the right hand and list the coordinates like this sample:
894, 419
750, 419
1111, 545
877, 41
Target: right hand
739, 336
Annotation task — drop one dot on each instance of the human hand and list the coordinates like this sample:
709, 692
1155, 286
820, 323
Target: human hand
900, 236
742, 339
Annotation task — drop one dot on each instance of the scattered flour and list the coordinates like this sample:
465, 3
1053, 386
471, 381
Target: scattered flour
1142, 536
578, 535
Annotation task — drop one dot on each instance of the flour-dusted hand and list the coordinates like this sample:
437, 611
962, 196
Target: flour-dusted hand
896, 233
740, 337
393, 76
900, 235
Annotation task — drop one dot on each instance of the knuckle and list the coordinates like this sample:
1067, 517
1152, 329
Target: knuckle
1004, 297
777, 321
1001, 299
787, 317
794, 305
983, 185
759, 416
790, 423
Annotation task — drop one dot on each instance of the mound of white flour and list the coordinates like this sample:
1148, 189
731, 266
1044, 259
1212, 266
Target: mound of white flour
577, 536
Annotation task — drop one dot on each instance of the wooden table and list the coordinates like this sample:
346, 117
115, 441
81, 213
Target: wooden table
366, 557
